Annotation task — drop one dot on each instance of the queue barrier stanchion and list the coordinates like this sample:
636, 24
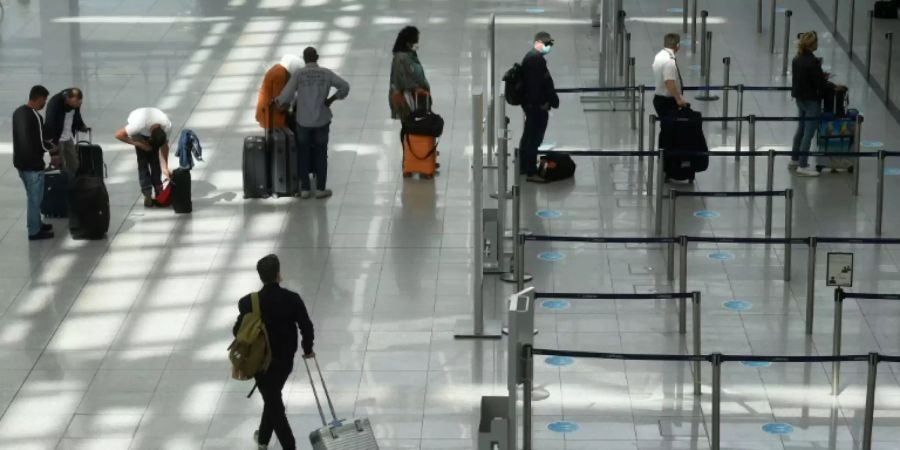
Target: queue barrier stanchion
887, 72
491, 90
857, 147
834, 19
759, 15
651, 172
836, 340
527, 393
703, 42
772, 27
520, 320
716, 434
788, 231
660, 185
787, 42
879, 193
852, 19
740, 125
811, 283
726, 73
682, 284
694, 27
751, 165
670, 254
869, 415
684, 16
641, 113
770, 183
695, 326
869, 45
630, 93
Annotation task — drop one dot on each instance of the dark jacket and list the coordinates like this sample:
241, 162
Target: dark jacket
28, 150
56, 118
283, 312
807, 78
537, 83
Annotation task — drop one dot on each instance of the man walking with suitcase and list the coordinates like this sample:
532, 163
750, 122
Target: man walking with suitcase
538, 96
28, 158
309, 88
147, 130
283, 313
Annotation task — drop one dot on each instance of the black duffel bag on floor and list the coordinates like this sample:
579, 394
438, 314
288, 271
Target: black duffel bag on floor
556, 166
886, 9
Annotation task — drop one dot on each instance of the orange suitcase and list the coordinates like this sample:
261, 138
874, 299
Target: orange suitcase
419, 155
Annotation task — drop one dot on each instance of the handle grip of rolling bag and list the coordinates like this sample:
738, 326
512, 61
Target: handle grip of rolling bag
316, 394
90, 141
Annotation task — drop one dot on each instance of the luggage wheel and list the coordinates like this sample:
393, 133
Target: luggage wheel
819, 168
407, 174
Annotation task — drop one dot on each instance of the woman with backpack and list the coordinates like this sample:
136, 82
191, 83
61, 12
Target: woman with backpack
407, 74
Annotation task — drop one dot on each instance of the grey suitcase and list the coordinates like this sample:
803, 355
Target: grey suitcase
353, 434
285, 182
255, 168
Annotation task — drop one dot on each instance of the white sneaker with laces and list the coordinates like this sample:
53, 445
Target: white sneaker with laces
807, 172
793, 164
305, 194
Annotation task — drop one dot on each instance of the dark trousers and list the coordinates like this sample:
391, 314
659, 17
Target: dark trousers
149, 171
536, 120
270, 383
664, 105
312, 146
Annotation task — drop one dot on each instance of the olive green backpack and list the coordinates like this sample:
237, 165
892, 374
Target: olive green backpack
250, 352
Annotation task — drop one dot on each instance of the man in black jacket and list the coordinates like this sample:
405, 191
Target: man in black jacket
283, 312
28, 158
64, 122
538, 96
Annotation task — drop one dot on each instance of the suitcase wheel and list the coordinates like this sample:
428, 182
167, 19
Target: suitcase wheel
407, 174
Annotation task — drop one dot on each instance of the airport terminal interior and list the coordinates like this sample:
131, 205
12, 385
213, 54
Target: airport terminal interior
121, 342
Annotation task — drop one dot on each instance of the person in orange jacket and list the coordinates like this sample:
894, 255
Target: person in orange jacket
274, 81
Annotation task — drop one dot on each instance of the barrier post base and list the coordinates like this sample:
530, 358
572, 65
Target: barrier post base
510, 277
465, 329
707, 98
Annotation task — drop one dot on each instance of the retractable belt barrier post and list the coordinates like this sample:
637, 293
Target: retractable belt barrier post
887, 73
834, 19
787, 42
759, 14
772, 27
740, 125
632, 98
521, 336
751, 166
850, 35
707, 56
491, 90
879, 193
640, 118
869, 45
684, 16
703, 43
694, 27
726, 73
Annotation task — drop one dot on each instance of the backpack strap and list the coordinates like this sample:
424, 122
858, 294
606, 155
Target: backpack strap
254, 303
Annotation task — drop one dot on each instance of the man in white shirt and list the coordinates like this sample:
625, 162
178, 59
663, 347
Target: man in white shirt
669, 84
147, 130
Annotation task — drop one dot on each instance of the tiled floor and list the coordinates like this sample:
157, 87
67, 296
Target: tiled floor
121, 343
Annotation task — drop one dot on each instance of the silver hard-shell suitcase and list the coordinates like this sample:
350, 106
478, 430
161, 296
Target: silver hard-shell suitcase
285, 180
353, 434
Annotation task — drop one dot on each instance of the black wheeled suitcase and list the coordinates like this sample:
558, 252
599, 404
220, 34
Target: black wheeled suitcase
351, 434
55, 203
285, 179
90, 158
255, 168
835, 100
90, 202
181, 191
682, 134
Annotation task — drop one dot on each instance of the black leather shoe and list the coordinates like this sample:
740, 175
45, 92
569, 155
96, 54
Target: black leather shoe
41, 235
46, 227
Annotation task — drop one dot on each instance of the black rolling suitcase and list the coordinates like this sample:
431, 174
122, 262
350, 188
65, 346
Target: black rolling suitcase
90, 202
682, 133
835, 100
255, 168
181, 191
285, 182
55, 203
90, 158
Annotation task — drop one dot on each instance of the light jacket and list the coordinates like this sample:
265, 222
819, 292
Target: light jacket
188, 149
308, 88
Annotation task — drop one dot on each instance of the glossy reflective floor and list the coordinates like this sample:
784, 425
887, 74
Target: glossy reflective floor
120, 344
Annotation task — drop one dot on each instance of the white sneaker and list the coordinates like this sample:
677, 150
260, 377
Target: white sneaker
807, 172
305, 194
324, 193
793, 164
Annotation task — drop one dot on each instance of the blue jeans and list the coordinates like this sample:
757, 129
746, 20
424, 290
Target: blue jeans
34, 190
312, 145
806, 130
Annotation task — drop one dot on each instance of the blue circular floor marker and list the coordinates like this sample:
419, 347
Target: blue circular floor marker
559, 361
706, 214
778, 428
872, 144
551, 256
556, 304
756, 364
721, 255
548, 214
563, 426
737, 305
892, 171
675, 10
535, 10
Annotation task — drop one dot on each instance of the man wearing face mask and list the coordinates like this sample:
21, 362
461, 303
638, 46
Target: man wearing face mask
538, 96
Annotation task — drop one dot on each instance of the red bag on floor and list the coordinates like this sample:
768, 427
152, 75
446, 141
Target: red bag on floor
164, 198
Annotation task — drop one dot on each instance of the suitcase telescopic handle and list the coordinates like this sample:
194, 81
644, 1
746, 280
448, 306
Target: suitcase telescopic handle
324, 389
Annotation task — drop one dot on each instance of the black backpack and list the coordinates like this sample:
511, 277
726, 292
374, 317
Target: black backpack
513, 85
556, 166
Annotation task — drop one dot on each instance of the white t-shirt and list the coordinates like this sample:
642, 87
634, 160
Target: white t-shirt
665, 68
141, 119
67, 127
